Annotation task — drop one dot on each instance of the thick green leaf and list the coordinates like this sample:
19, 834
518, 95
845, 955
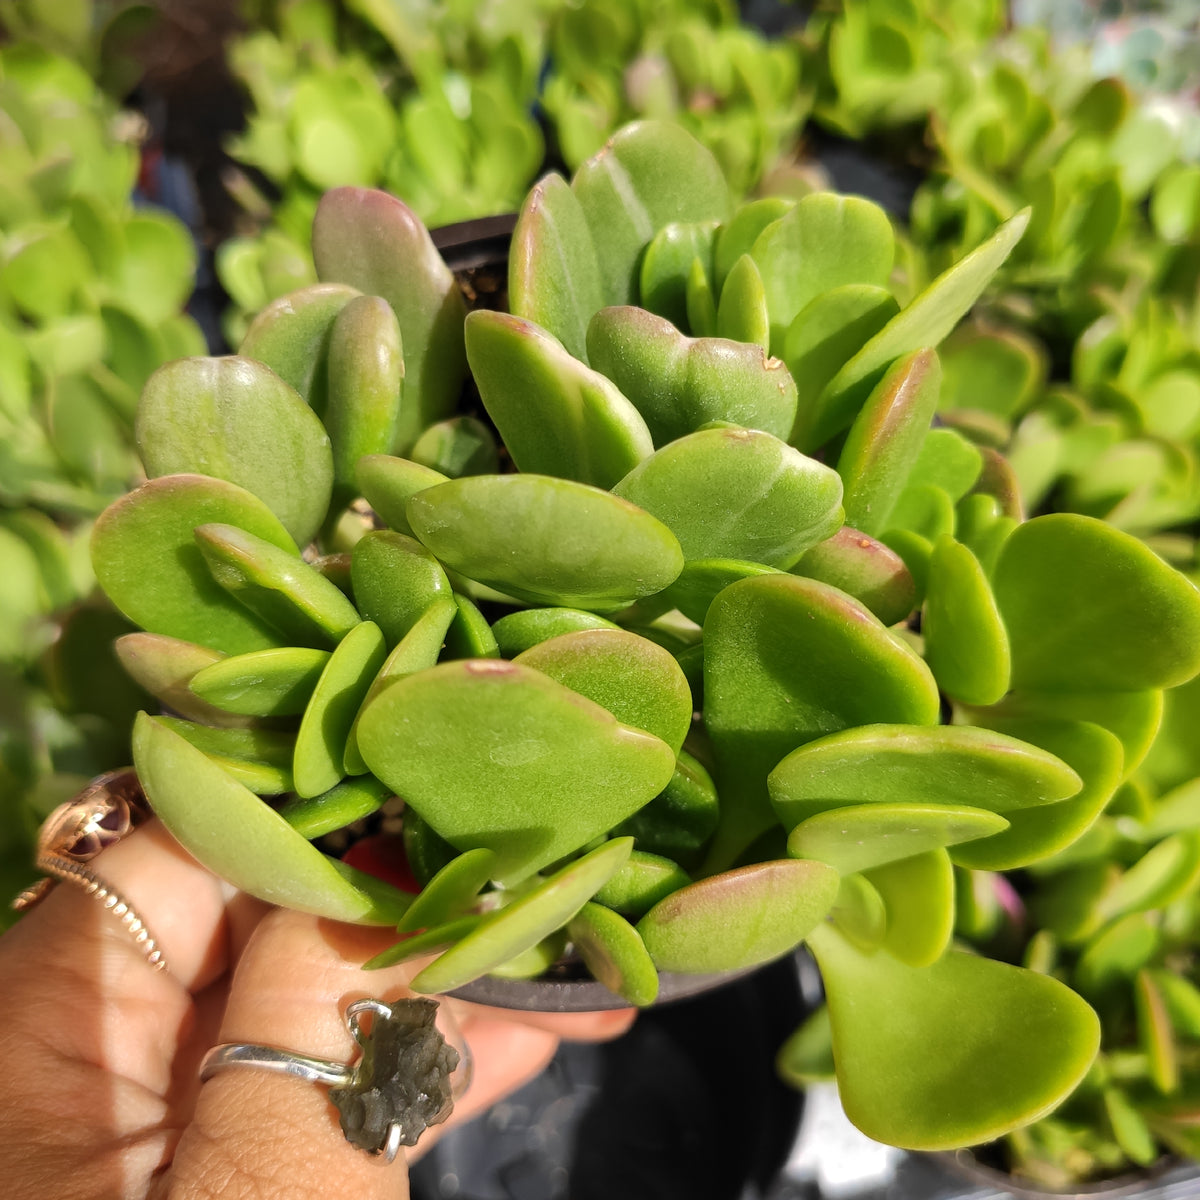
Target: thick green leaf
456, 447
243, 840
918, 900
263, 683
547, 541
966, 644
826, 241
739, 918
958, 1052
863, 568
520, 630
377, 244
418, 945
859, 913
556, 415
291, 336
260, 759
614, 953
648, 175
642, 881
679, 383
148, 563
788, 660
918, 764
451, 892
526, 921
807, 1055
673, 254
469, 635
553, 273
681, 818
467, 741
349, 801
742, 309
738, 235
638, 681
702, 579
738, 494
1166, 872
387, 483
320, 761
832, 328
165, 666
234, 419
395, 581
365, 382
885, 440
1088, 606
1091, 752
925, 322
858, 837
276, 585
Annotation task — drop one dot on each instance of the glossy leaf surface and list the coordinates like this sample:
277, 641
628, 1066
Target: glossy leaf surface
913, 764
860, 566
614, 953
680, 383
739, 918
547, 541
346, 802
951, 1054
452, 891
247, 843
1128, 620
525, 628
498, 755
263, 683
556, 415
525, 922
395, 581
165, 666
387, 483
148, 563
234, 419
918, 900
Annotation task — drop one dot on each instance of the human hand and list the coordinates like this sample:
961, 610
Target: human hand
101, 1052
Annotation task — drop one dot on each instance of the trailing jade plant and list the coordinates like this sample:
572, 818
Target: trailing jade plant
653, 696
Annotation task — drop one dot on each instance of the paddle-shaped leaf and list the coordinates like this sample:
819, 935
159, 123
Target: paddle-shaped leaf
553, 273
556, 415
675, 253
291, 336
739, 918
827, 333
641, 882
499, 755
526, 921
348, 801
263, 683
788, 660
247, 843
518, 631
276, 585
365, 380
164, 666
377, 244
1091, 752
951, 1054
885, 440
638, 681
913, 764
1088, 606
647, 175
966, 644
826, 241
925, 322
320, 760
871, 572
614, 953
679, 383
738, 494
388, 482
918, 900
678, 821
395, 581
451, 892
742, 310
459, 446
234, 419
547, 541
261, 759
858, 837
148, 563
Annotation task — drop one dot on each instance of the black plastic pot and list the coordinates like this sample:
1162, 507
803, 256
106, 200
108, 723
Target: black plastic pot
966, 1165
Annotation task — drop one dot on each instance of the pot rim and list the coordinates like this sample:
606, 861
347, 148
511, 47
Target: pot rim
966, 1165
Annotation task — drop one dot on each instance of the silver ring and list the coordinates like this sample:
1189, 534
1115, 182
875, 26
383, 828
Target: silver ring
405, 1080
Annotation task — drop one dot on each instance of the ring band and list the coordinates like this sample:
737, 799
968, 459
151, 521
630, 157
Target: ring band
401, 1084
74, 833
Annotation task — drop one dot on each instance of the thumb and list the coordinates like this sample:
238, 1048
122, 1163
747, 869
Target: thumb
257, 1135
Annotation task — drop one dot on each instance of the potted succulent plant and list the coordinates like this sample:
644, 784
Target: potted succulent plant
655, 689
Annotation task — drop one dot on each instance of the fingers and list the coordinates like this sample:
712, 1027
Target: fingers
94, 1029
260, 1136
